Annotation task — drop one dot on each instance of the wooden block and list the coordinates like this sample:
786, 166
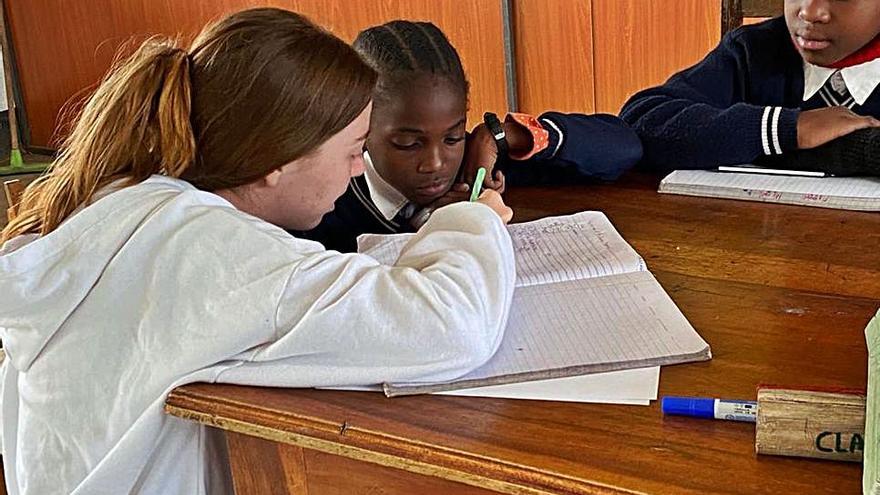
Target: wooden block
811, 423
871, 476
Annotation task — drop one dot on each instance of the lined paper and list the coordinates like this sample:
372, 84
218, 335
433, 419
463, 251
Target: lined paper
584, 304
558, 249
850, 193
549, 250
584, 326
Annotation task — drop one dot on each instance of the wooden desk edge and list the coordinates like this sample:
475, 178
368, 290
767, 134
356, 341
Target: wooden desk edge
378, 448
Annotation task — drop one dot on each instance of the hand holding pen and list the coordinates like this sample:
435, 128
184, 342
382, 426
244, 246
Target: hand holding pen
489, 197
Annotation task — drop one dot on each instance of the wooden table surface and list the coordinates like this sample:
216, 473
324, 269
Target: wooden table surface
781, 293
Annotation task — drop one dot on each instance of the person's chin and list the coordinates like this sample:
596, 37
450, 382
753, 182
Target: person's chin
304, 225
424, 197
820, 58
312, 225
422, 200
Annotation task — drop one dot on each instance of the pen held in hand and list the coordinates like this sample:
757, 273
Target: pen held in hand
478, 184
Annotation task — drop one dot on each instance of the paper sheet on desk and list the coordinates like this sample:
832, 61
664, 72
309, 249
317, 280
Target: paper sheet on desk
627, 387
849, 193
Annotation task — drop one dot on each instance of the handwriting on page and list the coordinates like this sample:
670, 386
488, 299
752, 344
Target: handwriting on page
857, 193
553, 249
556, 249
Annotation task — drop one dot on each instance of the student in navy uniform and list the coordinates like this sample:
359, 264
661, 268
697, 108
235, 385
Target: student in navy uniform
420, 156
792, 83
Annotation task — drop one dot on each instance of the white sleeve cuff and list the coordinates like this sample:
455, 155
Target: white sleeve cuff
770, 130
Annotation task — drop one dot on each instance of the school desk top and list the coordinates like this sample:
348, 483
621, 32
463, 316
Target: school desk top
782, 294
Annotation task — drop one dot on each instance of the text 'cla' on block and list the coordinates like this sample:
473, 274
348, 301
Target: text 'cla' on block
811, 423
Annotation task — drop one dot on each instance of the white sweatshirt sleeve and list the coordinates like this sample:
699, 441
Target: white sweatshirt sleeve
438, 313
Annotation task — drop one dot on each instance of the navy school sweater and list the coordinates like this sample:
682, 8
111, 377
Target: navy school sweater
581, 148
739, 103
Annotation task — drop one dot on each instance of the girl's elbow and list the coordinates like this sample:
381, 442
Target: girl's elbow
456, 358
484, 344
623, 156
474, 355
631, 153
476, 343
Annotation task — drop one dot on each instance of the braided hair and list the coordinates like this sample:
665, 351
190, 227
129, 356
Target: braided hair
400, 51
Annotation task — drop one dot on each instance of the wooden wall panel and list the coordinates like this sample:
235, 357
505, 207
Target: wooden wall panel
640, 43
762, 8
63, 48
554, 55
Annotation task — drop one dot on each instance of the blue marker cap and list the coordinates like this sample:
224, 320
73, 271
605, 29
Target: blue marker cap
689, 406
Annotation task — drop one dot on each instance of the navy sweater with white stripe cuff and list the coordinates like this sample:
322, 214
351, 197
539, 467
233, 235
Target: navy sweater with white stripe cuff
598, 146
739, 103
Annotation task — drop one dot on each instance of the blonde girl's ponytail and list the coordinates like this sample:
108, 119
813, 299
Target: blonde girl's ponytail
136, 124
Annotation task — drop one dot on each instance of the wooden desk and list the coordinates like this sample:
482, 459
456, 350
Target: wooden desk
781, 293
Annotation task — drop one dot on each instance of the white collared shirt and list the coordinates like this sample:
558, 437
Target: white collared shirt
861, 80
387, 199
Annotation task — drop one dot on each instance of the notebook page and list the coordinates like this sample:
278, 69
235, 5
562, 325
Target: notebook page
552, 249
859, 193
584, 326
583, 245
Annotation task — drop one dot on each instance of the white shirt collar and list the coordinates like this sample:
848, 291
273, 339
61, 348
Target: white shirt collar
387, 199
861, 80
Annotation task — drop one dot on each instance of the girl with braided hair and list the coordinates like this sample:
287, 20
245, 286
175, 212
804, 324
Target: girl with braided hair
419, 156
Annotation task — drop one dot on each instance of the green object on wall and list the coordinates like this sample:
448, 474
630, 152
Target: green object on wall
18, 166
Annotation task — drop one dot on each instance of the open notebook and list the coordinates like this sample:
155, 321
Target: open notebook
848, 193
584, 303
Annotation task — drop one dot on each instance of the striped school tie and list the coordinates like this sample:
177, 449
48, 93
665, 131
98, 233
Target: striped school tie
834, 92
403, 216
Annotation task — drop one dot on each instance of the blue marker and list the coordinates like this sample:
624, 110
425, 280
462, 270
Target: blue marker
734, 410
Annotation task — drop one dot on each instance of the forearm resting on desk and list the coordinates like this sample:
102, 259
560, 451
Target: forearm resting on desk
857, 153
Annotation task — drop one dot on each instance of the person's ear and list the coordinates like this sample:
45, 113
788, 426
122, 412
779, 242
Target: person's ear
273, 178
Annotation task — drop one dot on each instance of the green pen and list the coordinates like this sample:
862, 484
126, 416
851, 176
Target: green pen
478, 184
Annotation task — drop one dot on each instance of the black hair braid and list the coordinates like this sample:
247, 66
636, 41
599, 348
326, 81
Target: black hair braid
402, 50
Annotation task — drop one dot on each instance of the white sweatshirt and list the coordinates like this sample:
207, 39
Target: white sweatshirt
160, 284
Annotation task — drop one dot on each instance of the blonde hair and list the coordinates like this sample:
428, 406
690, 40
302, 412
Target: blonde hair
136, 124
258, 89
